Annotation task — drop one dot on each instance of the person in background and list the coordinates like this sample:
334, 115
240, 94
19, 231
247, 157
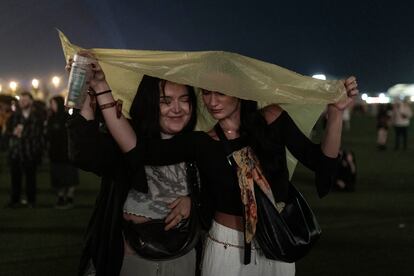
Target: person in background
346, 177
25, 135
64, 177
5, 112
383, 122
401, 115
346, 118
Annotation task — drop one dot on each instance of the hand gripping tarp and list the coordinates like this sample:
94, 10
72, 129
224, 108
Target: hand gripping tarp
303, 97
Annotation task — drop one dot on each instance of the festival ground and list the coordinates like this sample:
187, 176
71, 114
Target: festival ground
366, 232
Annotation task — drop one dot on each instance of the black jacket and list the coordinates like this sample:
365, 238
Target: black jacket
93, 150
29, 147
57, 138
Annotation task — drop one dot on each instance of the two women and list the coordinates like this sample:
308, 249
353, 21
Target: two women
266, 133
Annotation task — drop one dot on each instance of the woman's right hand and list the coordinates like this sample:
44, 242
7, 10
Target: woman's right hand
88, 107
96, 79
118, 126
68, 65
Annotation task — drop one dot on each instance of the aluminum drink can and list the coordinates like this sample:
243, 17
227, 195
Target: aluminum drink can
77, 84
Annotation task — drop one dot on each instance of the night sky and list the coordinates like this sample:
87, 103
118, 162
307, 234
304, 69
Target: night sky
373, 40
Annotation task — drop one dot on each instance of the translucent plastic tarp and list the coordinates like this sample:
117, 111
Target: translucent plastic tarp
303, 97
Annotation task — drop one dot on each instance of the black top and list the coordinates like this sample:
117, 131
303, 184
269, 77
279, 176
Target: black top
57, 137
93, 149
220, 189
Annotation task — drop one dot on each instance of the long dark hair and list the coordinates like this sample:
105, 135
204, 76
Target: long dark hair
253, 124
60, 102
145, 108
60, 112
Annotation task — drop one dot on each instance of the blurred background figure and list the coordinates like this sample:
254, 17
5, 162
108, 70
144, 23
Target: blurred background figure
346, 177
383, 122
346, 118
63, 176
5, 113
401, 115
24, 132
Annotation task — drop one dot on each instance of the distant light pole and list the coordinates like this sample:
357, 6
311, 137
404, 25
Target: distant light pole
56, 81
13, 86
37, 93
35, 84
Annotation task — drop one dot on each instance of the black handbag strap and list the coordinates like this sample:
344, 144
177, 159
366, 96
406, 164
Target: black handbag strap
229, 153
193, 181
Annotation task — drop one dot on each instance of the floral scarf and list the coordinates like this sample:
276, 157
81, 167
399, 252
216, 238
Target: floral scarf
249, 173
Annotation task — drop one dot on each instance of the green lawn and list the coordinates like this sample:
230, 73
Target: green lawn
368, 232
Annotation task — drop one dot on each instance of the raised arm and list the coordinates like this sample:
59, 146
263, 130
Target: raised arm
319, 158
331, 141
117, 124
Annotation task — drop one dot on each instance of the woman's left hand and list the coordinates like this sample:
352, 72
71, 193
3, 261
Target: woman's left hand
180, 209
351, 87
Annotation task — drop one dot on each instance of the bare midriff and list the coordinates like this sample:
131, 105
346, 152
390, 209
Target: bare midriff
231, 221
135, 219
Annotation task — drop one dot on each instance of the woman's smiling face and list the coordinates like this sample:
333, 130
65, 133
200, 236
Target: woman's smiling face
175, 108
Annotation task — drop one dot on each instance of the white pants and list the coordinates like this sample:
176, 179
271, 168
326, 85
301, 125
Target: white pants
134, 265
221, 260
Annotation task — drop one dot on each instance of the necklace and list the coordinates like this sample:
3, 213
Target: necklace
229, 131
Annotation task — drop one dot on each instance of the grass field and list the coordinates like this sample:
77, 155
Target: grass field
368, 232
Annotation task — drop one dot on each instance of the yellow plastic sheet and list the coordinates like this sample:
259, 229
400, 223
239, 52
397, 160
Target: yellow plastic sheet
303, 97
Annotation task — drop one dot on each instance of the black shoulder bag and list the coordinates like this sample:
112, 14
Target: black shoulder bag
286, 236
152, 242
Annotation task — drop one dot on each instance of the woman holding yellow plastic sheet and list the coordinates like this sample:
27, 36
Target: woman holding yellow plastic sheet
155, 192
267, 132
